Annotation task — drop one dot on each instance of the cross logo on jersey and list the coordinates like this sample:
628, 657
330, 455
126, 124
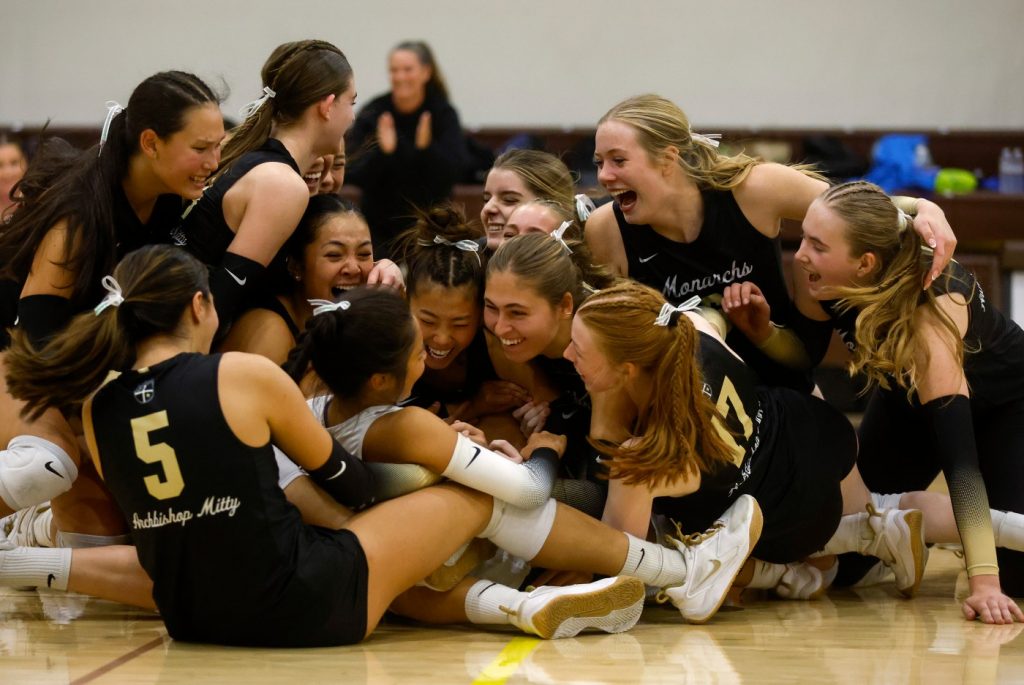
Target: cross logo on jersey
145, 391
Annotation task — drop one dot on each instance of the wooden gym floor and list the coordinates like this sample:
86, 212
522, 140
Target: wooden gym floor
863, 636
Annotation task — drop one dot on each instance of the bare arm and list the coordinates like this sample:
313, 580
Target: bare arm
772, 192
263, 208
262, 332
604, 240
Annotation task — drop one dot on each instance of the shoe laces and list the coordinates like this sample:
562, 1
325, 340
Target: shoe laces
693, 539
687, 540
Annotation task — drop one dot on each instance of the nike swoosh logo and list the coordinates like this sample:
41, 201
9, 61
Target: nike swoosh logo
476, 454
486, 589
49, 580
643, 553
48, 466
344, 466
569, 414
715, 565
239, 281
642, 260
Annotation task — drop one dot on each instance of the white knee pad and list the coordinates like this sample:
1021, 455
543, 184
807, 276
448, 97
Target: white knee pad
521, 532
34, 470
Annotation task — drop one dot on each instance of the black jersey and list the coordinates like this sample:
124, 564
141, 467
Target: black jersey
727, 250
570, 416
230, 559
993, 345
434, 386
745, 425
205, 231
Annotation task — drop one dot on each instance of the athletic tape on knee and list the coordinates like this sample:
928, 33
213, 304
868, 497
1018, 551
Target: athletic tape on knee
34, 470
524, 485
395, 480
521, 532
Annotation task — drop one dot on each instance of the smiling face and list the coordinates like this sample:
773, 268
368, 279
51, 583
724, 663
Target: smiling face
626, 171
338, 259
525, 323
185, 159
334, 171
824, 255
531, 218
314, 174
503, 192
409, 76
598, 372
449, 319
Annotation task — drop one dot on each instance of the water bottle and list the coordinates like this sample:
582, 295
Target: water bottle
1011, 171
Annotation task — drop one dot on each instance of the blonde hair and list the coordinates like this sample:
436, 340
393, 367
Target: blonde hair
660, 123
888, 343
545, 265
545, 175
675, 433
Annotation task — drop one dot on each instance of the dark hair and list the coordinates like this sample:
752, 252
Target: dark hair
436, 85
544, 263
157, 282
346, 347
300, 74
442, 263
320, 210
78, 188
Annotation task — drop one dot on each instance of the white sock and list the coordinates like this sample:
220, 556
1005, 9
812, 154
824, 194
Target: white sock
851, 536
521, 532
652, 563
35, 567
485, 599
766, 575
883, 502
1009, 529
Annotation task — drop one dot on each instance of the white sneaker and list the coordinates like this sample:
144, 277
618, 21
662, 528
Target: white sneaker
804, 581
713, 559
21, 526
878, 574
899, 543
613, 605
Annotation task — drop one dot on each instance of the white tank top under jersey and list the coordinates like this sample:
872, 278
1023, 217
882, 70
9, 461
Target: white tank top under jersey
349, 433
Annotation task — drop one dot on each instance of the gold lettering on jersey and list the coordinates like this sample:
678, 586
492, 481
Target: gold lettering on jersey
219, 505
212, 506
729, 400
161, 453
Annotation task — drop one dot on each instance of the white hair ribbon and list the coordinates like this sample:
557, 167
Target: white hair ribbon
324, 306
464, 245
904, 220
254, 106
707, 138
667, 310
113, 298
584, 206
559, 233
113, 109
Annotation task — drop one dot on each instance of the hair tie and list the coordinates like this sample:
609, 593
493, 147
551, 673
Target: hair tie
903, 220
584, 207
324, 306
254, 106
113, 109
558, 234
113, 298
669, 315
464, 245
707, 138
